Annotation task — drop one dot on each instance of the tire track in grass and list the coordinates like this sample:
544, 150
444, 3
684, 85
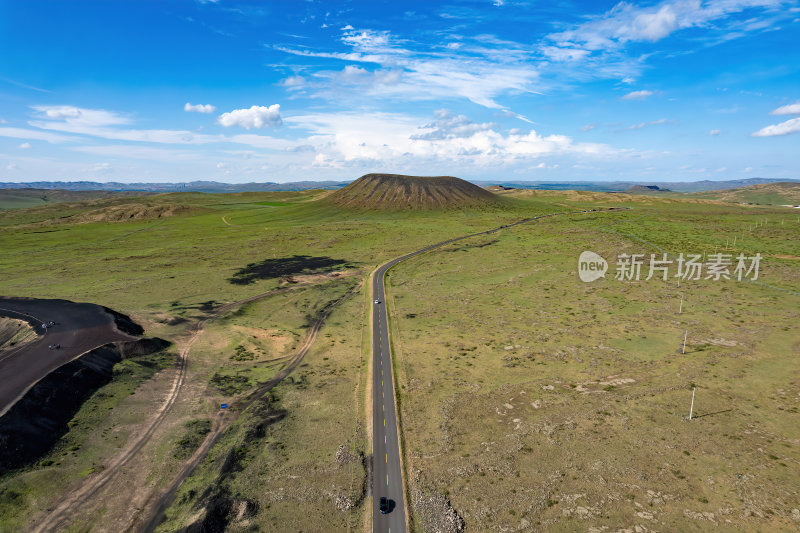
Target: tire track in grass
69, 507
223, 421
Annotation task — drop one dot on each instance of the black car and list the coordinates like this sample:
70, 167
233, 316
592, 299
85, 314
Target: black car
384, 505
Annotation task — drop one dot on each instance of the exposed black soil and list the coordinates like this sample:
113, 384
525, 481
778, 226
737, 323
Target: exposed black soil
30, 428
124, 323
75, 328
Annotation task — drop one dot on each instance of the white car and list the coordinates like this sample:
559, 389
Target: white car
377, 301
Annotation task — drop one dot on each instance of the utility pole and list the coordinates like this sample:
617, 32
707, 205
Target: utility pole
681, 309
683, 350
691, 407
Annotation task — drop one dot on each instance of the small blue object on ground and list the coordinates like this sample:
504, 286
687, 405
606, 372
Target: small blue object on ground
223, 406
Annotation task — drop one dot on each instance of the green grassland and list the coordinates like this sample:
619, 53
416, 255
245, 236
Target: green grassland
784, 193
479, 325
22, 198
169, 265
534, 401
280, 456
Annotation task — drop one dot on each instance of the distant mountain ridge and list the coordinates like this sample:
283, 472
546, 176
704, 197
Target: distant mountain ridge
219, 187
620, 186
190, 186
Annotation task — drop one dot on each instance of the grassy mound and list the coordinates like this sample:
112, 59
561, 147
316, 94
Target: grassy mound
21, 198
131, 211
394, 191
782, 193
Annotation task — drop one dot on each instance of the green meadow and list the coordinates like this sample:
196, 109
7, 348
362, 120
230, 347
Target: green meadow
534, 401
170, 261
529, 399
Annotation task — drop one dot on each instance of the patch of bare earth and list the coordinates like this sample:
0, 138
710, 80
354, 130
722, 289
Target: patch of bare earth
14, 333
317, 278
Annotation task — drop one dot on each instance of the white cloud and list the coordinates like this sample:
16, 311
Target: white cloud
352, 72
34, 135
477, 73
627, 22
24, 146
714, 133
637, 95
588, 127
181, 137
255, 117
134, 151
383, 140
448, 125
557, 53
784, 128
790, 109
153, 136
260, 141
367, 40
81, 117
644, 124
293, 81
199, 108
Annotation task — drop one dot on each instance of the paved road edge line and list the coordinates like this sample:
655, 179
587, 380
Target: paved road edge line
369, 387
396, 392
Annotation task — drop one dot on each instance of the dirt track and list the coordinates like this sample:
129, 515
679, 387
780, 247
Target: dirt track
164, 499
87, 494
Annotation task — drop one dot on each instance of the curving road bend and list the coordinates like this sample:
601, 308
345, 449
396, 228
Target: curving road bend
387, 480
78, 328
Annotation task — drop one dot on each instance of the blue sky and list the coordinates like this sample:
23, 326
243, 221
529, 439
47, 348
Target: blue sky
507, 90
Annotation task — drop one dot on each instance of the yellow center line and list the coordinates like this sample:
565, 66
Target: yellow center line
384, 422
387, 480
384, 439
387, 457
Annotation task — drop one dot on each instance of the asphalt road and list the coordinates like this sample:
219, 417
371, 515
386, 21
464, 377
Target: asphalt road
79, 327
386, 466
386, 480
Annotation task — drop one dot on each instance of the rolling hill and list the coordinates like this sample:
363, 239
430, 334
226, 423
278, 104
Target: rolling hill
394, 191
781, 193
21, 198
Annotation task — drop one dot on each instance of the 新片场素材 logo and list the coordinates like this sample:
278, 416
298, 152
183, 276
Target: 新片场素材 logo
632, 267
591, 266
